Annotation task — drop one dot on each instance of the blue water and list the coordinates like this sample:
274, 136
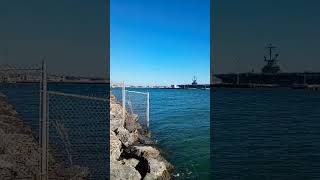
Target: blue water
85, 122
180, 122
265, 134
256, 133
26, 97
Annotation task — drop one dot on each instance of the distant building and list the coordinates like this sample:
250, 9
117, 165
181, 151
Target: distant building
22, 76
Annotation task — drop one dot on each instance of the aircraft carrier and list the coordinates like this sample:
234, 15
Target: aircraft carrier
270, 76
193, 85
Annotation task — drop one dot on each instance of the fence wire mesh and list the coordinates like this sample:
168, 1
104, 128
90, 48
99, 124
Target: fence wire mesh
135, 102
93, 90
117, 89
21, 86
78, 133
138, 103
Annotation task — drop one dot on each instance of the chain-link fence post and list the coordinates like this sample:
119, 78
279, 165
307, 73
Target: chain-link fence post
123, 100
148, 113
44, 124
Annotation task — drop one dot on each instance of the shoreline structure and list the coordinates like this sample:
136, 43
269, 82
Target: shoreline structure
133, 154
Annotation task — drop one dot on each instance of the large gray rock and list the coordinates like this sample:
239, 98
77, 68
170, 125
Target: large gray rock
20, 155
115, 147
20, 152
125, 136
158, 166
11, 124
131, 123
71, 173
145, 151
131, 162
119, 171
116, 116
158, 170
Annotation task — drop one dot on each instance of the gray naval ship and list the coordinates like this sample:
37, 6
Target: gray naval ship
270, 75
193, 85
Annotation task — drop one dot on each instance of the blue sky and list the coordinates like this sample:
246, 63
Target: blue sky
70, 34
243, 28
159, 42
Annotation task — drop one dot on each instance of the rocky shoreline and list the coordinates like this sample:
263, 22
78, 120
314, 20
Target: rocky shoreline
20, 152
133, 154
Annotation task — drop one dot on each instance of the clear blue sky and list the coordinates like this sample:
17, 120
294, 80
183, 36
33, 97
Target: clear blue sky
160, 42
243, 28
71, 34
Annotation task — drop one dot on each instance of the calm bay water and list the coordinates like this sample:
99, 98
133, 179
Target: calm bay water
26, 97
265, 134
257, 133
179, 121
82, 122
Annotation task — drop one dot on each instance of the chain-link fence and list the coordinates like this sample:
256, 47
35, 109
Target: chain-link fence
78, 133
133, 101
138, 103
118, 91
21, 87
70, 124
